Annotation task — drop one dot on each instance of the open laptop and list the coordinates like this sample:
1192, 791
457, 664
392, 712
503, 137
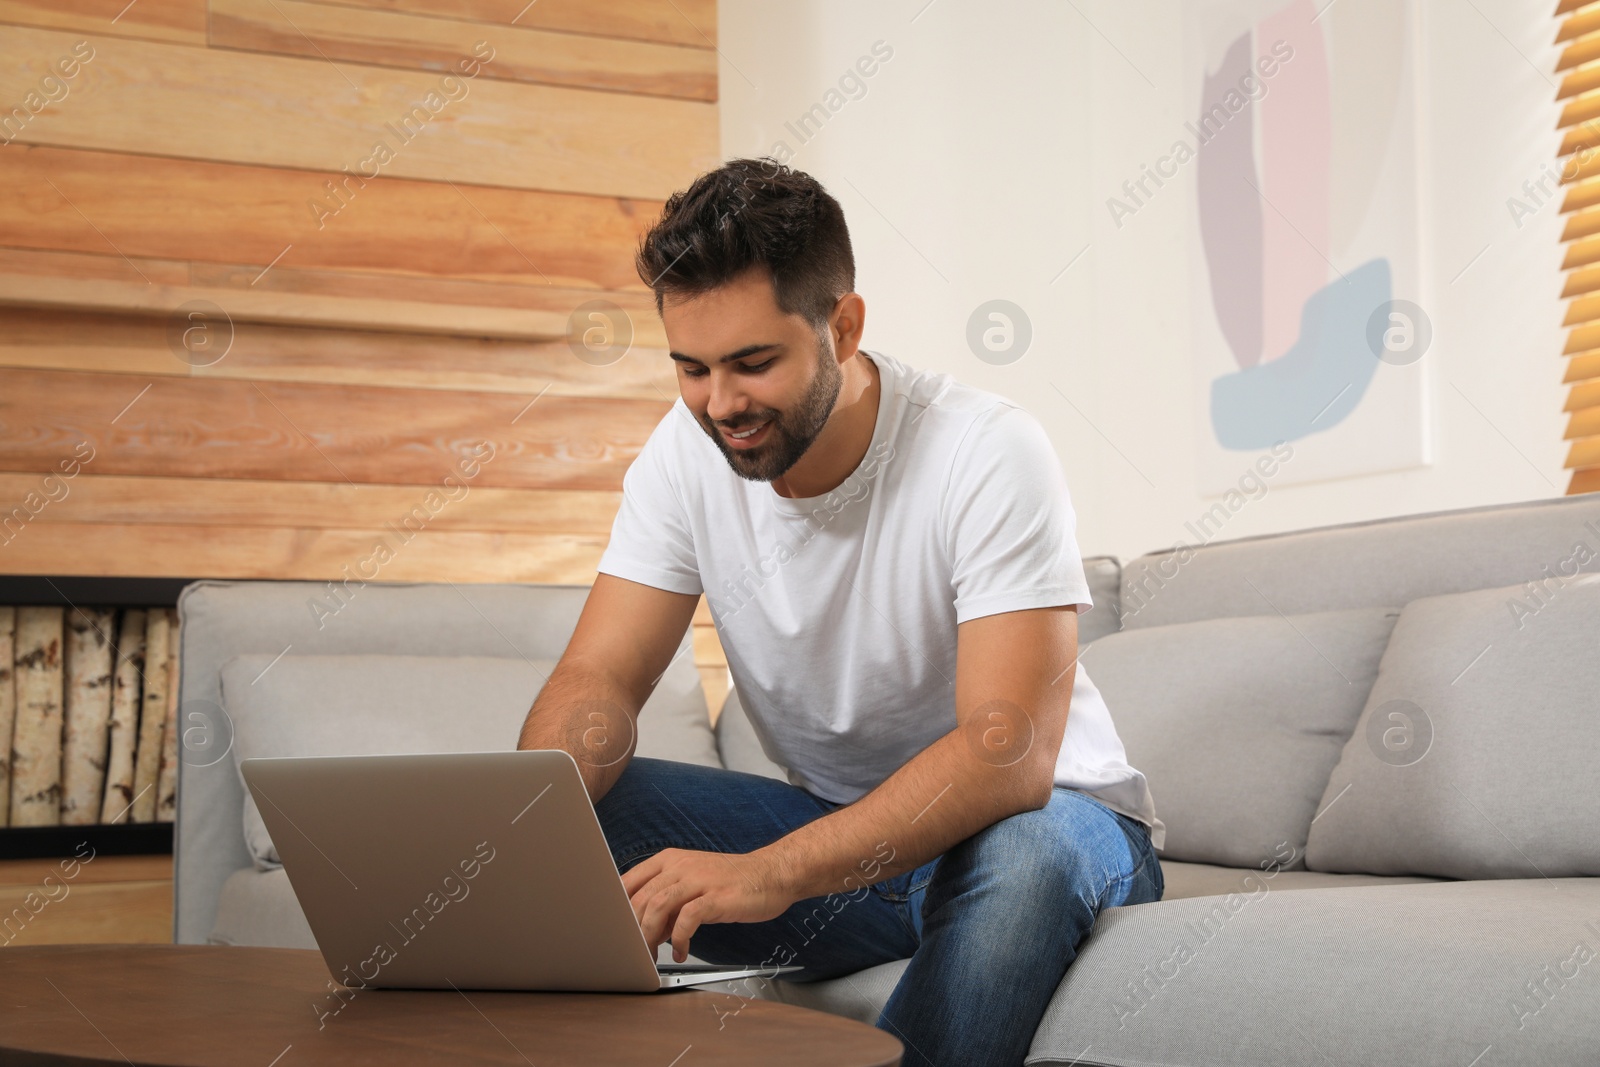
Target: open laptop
473, 870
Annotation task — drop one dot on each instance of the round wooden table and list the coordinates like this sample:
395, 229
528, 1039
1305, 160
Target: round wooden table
271, 1007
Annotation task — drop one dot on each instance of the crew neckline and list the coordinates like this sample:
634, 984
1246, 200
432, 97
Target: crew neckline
802, 506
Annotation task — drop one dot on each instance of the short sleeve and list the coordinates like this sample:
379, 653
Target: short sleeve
1008, 519
652, 541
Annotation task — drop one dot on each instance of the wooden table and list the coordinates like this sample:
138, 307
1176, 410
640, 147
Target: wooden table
269, 1007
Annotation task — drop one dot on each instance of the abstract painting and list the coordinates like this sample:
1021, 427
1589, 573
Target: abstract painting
1308, 325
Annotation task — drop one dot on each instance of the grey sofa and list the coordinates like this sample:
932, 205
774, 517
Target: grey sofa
1376, 748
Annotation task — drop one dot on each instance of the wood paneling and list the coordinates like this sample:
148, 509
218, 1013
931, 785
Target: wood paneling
243, 304
376, 328
316, 555
95, 913
180, 21
105, 202
251, 293
129, 500
706, 649
414, 42
341, 285
100, 868
287, 431
198, 103
685, 22
47, 338
108, 900
18, 266
716, 683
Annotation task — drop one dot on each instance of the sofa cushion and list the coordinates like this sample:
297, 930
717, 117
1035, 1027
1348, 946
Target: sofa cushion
259, 908
1477, 753
372, 704
1185, 880
1426, 975
862, 995
1237, 722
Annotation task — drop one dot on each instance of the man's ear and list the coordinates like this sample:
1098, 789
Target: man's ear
846, 324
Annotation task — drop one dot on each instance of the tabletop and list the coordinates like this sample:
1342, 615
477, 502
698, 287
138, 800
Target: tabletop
194, 1005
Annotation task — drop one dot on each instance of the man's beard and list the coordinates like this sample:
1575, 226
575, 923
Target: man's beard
791, 432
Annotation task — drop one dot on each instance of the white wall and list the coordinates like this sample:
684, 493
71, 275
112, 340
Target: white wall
977, 165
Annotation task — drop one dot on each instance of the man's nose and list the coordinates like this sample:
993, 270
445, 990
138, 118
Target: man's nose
727, 398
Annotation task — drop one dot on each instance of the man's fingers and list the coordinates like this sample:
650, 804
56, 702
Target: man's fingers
688, 922
640, 873
660, 910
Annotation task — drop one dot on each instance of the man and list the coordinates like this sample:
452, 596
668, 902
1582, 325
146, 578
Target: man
890, 561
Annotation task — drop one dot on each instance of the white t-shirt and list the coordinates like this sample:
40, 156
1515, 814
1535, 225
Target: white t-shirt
838, 613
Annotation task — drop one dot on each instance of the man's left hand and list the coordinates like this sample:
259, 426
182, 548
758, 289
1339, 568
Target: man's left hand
677, 890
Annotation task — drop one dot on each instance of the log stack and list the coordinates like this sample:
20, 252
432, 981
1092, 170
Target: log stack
88, 715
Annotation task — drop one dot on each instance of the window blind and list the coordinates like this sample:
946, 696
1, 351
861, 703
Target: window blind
1578, 34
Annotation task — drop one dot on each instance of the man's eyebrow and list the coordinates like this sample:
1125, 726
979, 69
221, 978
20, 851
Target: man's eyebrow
747, 350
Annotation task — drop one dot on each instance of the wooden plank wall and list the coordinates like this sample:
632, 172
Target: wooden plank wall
272, 270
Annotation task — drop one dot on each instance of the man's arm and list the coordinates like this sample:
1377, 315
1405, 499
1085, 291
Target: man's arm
1014, 678
1014, 675
623, 643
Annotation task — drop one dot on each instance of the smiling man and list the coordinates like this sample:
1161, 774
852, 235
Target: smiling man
890, 560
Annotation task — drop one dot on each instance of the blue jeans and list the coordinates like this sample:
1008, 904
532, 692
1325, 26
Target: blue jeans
989, 926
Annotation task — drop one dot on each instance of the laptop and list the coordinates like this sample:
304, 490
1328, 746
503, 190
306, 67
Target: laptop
470, 870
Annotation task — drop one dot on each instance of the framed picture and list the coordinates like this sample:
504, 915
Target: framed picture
1309, 328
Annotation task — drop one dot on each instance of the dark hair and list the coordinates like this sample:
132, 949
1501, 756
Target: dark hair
746, 213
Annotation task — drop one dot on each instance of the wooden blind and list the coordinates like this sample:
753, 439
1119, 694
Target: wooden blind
1579, 65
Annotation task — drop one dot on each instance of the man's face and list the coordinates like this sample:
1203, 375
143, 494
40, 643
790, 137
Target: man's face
782, 379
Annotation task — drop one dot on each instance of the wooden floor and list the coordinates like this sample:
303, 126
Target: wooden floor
109, 899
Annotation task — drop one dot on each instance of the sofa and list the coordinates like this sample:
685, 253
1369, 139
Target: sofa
1375, 746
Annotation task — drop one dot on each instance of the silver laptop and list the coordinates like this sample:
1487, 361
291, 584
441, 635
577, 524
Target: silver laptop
474, 870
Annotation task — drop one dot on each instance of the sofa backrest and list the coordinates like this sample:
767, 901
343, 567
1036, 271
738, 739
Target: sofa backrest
1104, 575
223, 620
1247, 679
1363, 565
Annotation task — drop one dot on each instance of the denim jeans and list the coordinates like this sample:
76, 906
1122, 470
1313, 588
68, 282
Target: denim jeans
990, 926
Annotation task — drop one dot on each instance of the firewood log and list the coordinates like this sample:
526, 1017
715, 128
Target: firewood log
125, 696
152, 717
167, 780
8, 705
88, 714
36, 740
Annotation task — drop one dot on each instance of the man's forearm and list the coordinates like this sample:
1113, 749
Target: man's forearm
939, 798
588, 714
